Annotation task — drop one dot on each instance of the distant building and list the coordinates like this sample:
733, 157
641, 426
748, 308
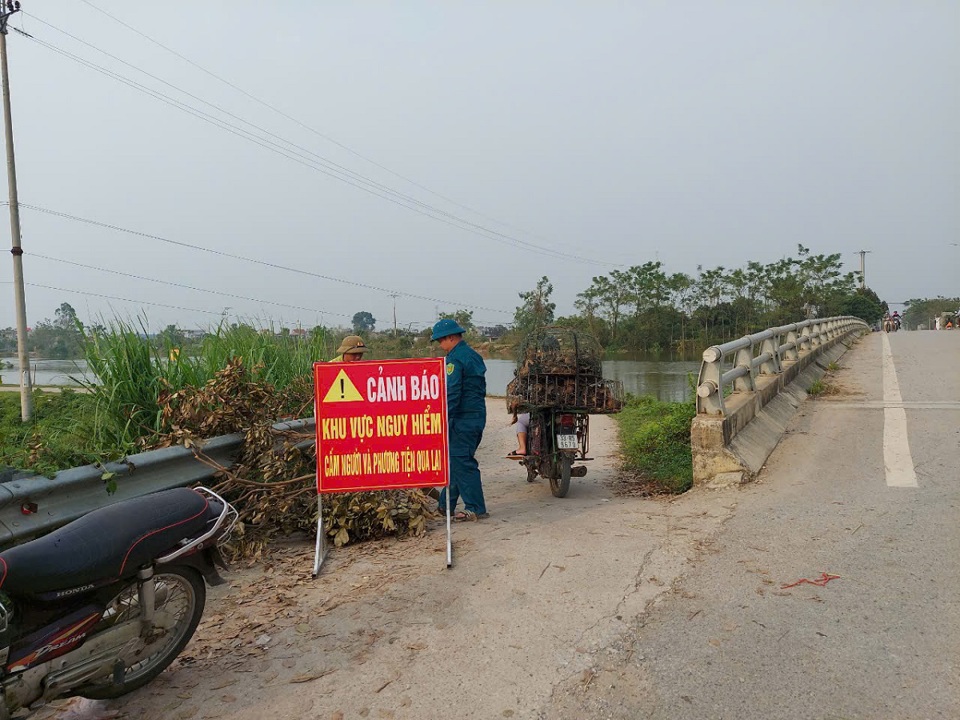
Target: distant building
492, 333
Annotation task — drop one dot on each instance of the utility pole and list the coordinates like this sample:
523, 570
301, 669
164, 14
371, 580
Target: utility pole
26, 389
394, 296
863, 270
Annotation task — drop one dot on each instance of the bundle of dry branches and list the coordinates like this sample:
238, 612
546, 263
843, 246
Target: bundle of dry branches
273, 482
562, 368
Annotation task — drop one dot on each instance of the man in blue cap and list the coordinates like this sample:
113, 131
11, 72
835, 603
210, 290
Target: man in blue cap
467, 416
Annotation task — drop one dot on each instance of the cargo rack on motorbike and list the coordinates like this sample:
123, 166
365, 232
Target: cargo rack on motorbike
562, 368
227, 514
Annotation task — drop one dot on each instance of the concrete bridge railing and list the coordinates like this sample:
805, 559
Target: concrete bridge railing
749, 388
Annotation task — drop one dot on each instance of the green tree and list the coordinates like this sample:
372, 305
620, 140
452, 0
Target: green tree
588, 303
861, 305
609, 294
8, 340
464, 318
646, 286
922, 312
65, 317
364, 322
60, 338
711, 287
536, 309
170, 336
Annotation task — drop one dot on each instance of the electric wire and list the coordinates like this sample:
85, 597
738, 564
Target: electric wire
300, 154
181, 285
420, 323
114, 297
304, 126
318, 158
255, 261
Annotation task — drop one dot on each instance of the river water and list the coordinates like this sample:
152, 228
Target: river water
664, 379
45, 372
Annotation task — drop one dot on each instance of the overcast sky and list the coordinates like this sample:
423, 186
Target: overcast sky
696, 133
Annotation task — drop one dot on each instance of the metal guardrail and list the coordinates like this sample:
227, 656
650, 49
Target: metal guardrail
33, 505
763, 353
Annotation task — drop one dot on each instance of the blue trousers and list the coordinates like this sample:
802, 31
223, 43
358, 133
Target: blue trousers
464, 470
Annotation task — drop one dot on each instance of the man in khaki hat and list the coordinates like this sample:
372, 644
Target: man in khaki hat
351, 349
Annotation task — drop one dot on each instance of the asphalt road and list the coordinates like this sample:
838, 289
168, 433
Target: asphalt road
603, 605
882, 640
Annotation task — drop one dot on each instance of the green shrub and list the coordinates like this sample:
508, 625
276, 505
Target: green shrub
59, 436
655, 437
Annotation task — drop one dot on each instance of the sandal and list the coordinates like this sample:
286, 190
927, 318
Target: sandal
516, 453
469, 516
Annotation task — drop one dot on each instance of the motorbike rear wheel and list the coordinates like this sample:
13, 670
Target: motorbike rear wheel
180, 597
559, 486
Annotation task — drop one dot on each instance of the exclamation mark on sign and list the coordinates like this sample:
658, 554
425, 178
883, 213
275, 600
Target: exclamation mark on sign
343, 393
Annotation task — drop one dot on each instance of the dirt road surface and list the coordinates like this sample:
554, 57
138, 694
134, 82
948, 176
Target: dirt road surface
543, 603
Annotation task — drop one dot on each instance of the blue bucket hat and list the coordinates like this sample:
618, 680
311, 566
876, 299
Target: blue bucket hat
445, 327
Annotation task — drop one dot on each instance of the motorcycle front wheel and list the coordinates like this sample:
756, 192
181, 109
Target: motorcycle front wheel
180, 597
559, 486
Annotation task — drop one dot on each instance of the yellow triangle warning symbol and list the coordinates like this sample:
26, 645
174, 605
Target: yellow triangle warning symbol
342, 390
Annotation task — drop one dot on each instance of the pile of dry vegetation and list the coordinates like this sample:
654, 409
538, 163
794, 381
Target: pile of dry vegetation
272, 484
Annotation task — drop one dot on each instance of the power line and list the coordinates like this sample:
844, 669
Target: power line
186, 287
326, 162
255, 261
303, 125
114, 297
320, 164
426, 323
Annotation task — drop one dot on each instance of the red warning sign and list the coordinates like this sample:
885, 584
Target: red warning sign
381, 425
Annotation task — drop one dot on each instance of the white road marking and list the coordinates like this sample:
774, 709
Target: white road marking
880, 404
896, 448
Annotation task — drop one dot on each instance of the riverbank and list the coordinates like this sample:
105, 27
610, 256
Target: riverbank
45, 388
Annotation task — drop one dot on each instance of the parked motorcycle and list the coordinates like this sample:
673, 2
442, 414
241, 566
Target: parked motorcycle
103, 605
555, 441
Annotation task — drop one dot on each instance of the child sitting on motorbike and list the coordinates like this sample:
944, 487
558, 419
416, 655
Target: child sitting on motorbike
522, 421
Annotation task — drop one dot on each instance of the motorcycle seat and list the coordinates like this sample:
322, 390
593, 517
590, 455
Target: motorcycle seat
107, 544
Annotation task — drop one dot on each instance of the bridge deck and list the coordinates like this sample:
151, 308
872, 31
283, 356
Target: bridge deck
865, 485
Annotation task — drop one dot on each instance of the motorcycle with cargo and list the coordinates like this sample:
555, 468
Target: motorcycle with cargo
559, 383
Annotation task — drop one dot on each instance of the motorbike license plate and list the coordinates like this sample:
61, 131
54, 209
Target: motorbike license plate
567, 442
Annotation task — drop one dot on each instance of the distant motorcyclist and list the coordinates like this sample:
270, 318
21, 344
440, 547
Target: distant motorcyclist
896, 319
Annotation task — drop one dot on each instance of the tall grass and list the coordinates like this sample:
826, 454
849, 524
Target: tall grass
655, 437
133, 372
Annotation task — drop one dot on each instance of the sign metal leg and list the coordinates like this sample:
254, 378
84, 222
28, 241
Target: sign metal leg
320, 551
449, 540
